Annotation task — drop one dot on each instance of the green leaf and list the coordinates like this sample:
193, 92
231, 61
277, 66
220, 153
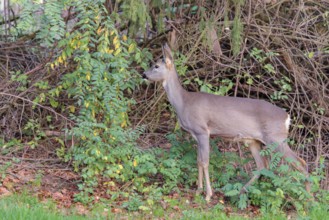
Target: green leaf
233, 192
53, 103
243, 201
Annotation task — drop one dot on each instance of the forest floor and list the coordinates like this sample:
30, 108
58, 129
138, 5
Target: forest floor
32, 174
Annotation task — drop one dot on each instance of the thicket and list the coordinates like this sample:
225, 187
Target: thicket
70, 84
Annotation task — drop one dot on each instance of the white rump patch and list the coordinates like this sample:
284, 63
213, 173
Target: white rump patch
287, 122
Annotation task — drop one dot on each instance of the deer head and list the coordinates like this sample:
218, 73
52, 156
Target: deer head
163, 69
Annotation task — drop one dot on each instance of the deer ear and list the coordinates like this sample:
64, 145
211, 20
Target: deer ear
167, 55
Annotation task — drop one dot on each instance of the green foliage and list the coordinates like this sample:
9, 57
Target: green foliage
100, 79
136, 11
279, 188
20, 78
284, 84
261, 57
9, 146
285, 87
222, 167
28, 22
53, 25
134, 203
33, 128
43, 19
226, 85
98, 83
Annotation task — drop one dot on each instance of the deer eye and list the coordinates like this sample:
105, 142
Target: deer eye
156, 66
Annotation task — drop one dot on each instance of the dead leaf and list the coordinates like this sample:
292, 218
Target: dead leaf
175, 196
4, 192
81, 210
163, 204
116, 210
57, 196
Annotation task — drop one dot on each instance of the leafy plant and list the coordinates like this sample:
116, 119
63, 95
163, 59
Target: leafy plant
33, 129
99, 81
278, 188
134, 203
285, 87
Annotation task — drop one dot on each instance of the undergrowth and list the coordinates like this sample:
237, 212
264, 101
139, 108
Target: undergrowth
146, 181
154, 174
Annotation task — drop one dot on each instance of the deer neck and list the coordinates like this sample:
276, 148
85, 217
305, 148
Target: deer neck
175, 92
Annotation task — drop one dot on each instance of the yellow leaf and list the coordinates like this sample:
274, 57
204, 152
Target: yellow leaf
112, 32
83, 138
135, 163
88, 76
98, 152
131, 48
124, 124
110, 183
124, 38
87, 104
109, 51
117, 52
106, 34
120, 167
115, 40
72, 108
99, 30
117, 45
95, 133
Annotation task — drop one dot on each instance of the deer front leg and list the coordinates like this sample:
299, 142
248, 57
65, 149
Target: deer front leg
200, 178
203, 163
261, 162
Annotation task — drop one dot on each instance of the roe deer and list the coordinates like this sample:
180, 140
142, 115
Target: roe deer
254, 122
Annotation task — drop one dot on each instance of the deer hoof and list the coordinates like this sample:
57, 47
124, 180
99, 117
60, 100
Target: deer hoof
208, 198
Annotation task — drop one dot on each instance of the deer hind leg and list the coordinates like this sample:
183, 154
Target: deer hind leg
261, 162
203, 163
298, 163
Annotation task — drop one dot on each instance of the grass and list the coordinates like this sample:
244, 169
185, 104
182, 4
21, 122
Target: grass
26, 207
23, 207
